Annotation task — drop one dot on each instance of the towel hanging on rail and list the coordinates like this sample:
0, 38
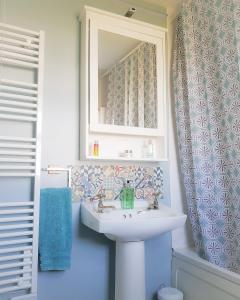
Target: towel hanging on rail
55, 236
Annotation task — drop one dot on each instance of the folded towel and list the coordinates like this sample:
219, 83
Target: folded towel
55, 232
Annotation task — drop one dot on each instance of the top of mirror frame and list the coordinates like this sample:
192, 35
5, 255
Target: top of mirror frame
87, 11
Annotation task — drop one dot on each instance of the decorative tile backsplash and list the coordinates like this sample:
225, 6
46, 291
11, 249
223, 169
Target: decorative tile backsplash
89, 180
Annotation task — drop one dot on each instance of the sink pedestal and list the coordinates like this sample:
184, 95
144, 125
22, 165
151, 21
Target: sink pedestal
124, 227
130, 271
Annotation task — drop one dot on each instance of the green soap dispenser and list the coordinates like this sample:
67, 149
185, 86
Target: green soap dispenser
127, 196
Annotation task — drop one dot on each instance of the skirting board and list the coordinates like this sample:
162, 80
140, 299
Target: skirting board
26, 297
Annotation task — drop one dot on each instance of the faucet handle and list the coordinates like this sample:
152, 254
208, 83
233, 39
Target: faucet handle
99, 197
102, 195
157, 194
154, 203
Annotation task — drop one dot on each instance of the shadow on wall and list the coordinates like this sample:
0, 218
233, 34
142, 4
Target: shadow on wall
91, 275
86, 233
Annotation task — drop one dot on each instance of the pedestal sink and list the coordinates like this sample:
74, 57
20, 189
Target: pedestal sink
130, 228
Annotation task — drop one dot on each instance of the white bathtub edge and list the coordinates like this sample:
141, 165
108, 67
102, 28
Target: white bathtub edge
189, 255
201, 280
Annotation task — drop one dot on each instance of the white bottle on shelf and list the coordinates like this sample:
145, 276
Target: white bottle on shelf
145, 149
150, 151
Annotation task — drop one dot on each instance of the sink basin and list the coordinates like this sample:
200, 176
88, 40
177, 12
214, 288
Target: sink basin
130, 228
136, 224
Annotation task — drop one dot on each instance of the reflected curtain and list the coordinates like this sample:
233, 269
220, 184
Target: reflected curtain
206, 75
132, 89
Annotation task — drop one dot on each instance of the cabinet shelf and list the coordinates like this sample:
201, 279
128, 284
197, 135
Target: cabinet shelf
126, 159
125, 130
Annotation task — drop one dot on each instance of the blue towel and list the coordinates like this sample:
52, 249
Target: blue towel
55, 232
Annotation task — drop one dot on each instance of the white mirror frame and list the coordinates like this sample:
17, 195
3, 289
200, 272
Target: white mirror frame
101, 20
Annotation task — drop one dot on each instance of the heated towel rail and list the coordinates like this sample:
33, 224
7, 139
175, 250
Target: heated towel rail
58, 170
21, 55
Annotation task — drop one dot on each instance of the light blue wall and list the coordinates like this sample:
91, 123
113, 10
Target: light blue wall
92, 274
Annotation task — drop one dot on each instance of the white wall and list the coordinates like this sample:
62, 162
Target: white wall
58, 18
92, 274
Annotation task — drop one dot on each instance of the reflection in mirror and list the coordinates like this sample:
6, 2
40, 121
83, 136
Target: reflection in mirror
127, 93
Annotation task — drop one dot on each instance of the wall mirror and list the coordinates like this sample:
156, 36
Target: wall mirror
123, 85
127, 81
126, 76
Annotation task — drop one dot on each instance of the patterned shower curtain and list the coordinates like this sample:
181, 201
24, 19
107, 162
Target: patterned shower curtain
132, 89
206, 76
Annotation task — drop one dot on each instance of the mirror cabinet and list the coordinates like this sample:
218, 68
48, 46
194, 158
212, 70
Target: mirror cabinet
123, 88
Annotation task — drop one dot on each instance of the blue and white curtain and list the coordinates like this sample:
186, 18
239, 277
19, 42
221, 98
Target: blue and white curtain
132, 89
206, 72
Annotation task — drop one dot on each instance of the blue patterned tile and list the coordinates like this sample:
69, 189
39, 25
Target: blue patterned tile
88, 180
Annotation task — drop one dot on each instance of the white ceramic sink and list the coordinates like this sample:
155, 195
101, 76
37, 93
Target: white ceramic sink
130, 228
136, 224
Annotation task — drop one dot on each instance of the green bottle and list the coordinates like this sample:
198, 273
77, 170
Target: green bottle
127, 196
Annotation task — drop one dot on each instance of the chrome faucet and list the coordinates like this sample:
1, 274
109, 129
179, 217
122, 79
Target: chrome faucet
100, 198
154, 204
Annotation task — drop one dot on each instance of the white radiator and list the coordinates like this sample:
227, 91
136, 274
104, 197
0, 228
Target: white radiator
21, 75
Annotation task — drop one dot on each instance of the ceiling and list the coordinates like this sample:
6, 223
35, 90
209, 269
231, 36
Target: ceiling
113, 47
172, 6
